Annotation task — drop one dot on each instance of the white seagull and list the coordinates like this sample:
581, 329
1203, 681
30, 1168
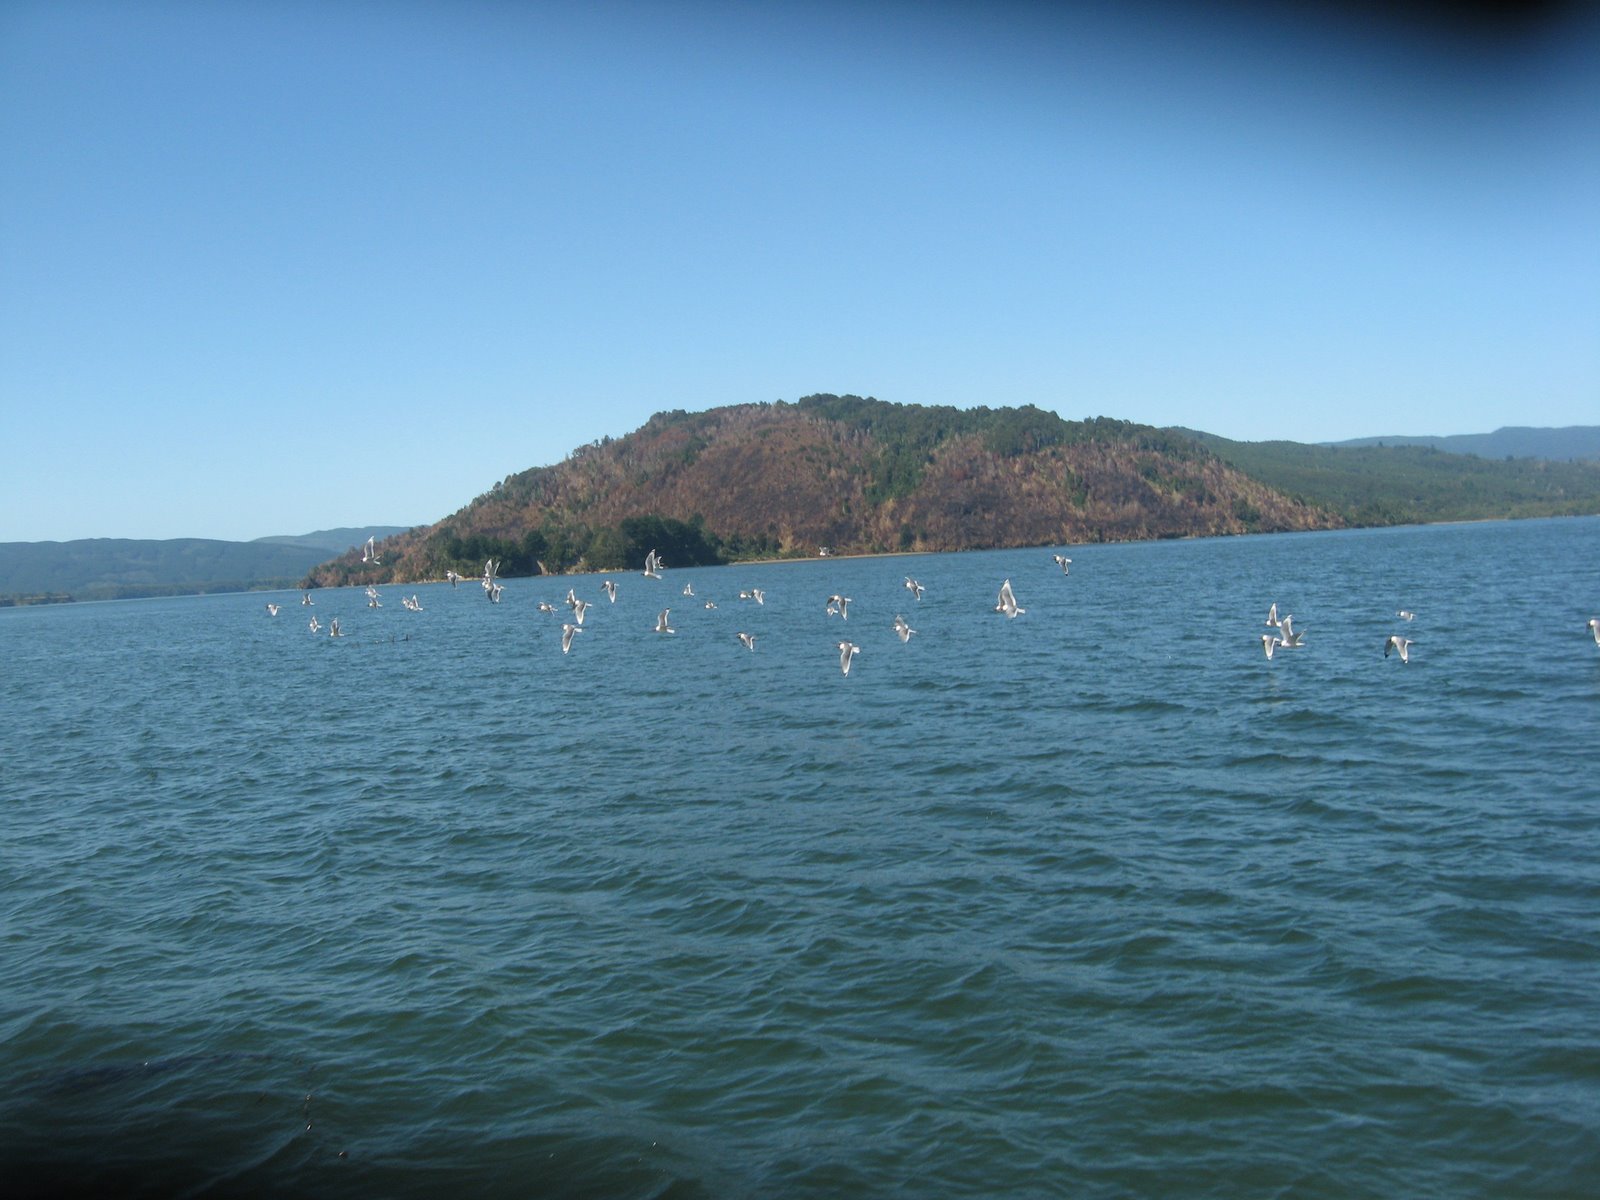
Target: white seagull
839, 606
1270, 642
333, 628
688, 589
1405, 614
652, 565
661, 622
1290, 637
902, 628
567, 634
579, 607
610, 586
1272, 614
369, 553
546, 607
1594, 628
759, 596
915, 588
272, 609
711, 603
316, 627
305, 598
847, 655
1400, 645
1008, 601
1063, 562
749, 640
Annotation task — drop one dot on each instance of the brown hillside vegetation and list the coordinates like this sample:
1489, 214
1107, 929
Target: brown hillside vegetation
856, 475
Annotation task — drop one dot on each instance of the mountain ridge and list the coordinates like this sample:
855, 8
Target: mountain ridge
1557, 443
125, 568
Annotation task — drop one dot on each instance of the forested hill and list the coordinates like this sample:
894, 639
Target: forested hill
852, 474
1391, 485
116, 568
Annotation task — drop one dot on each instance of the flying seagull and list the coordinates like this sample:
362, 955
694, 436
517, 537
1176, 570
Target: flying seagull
902, 628
749, 640
1008, 601
661, 622
1400, 645
1594, 628
847, 655
272, 609
567, 634
369, 553
915, 588
1269, 643
652, 565
1063, 562
1405, 614
610, 586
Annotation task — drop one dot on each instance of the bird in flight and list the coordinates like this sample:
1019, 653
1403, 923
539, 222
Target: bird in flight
847, 655
1401, 646
661, 622
749, 640
915, 588
1007, 602
1063, 562
568, 632
902, 628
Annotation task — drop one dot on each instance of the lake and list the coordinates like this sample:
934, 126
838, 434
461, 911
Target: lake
1095, 902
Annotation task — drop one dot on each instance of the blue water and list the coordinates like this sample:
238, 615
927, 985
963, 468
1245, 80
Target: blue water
1097, 902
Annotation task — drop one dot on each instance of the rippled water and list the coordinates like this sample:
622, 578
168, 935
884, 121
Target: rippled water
1096, 902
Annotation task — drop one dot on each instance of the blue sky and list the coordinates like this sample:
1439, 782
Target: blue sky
268, 268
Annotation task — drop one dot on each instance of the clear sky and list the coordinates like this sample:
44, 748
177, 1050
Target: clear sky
280, 266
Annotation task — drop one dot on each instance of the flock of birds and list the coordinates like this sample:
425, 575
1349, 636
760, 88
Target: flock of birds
1284, 635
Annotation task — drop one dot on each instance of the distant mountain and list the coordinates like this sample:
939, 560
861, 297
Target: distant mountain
1392, 485
1512, 441
333, 541
853, 474
116, 568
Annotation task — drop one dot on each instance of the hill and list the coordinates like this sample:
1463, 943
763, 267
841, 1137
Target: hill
857, 475
1392, 485
118, 568
331, 541
1512, 441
